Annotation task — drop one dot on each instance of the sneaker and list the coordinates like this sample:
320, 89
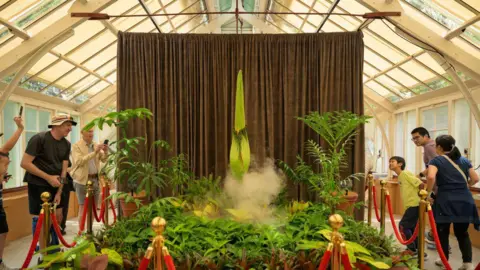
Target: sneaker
429, 238
466, 266
4, 267
438, 262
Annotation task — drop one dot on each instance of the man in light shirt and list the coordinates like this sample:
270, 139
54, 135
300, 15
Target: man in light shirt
86, 158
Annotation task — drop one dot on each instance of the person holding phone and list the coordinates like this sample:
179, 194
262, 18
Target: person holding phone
46, 160
4, 162
86, 158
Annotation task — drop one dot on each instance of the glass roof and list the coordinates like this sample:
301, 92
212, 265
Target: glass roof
85, 64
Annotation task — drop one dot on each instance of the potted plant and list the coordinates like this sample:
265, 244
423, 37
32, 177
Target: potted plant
338, 130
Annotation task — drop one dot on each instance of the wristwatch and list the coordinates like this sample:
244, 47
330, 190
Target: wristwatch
62, 180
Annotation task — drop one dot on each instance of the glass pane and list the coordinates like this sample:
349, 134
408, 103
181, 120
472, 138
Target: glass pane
9, 112
43, 120
399, 135
462, 125
75, 135
428, 119
31, 119
442, 118
410, 157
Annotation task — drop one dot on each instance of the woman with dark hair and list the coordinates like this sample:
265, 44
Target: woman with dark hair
454, 202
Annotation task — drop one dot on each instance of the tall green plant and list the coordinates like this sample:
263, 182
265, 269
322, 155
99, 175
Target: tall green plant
240, 149
338, 131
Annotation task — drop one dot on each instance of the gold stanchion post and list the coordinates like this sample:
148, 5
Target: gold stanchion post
90, 208
106, 186
383, 192
336, 222
370, 197
158, 226
45, 196
421, 224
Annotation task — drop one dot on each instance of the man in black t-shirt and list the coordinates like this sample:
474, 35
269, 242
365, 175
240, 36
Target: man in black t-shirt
46, 160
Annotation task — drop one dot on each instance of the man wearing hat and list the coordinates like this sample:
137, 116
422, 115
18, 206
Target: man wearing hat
46, 160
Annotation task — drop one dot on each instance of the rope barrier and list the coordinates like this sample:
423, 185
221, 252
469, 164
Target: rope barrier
395, 228
168, 259
81, 225
94, 210
345, 260
36, 236
375, 206
59, 234
146, 259
112, 207
326, 258
437, 240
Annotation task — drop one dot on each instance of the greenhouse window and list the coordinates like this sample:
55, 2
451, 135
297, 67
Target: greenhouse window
81, 99
437, 13
38, 11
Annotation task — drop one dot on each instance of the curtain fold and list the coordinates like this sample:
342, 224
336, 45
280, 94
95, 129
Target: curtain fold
188, 81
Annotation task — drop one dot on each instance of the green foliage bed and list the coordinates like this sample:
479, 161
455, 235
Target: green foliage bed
296, 239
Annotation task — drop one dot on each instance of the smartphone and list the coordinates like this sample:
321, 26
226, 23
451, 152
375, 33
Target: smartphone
1, 134
21, 111
105, 142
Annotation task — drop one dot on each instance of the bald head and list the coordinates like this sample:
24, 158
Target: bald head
87, 135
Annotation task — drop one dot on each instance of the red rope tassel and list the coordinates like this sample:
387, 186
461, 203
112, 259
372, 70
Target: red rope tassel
375, 203
59, 234
325, 260
437, 240
33, 245
395, 228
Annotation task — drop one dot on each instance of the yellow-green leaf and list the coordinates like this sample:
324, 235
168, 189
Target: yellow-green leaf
371, 261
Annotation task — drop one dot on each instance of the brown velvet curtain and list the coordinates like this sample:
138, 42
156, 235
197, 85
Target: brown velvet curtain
188, 81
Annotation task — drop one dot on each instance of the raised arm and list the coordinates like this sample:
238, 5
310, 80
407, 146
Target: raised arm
13, 140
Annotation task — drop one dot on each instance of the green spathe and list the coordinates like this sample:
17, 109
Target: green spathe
240, 149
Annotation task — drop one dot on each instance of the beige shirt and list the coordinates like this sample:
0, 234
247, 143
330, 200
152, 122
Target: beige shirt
81, 158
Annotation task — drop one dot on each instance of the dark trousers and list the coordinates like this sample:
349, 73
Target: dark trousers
461, 233
408, 224
66, 198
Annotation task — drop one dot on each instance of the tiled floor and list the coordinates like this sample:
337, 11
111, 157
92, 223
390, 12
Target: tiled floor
15, 251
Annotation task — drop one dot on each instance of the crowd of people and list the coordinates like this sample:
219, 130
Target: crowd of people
53, 165
447, 177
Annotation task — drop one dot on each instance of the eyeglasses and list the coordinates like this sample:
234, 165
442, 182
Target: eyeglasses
416, 138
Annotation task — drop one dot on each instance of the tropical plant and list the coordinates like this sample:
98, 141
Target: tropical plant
85, 255
337, 130
295, 239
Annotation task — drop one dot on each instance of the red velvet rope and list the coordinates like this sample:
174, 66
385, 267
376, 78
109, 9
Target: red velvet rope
81, 225
325, 260
102, 207
33, 245
169, 262
375, 203
94, 210
144, 263
437, 240
394, 225
59, 233
346, 261
113, 208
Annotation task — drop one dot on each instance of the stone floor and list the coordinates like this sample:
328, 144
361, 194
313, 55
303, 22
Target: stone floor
15, 251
